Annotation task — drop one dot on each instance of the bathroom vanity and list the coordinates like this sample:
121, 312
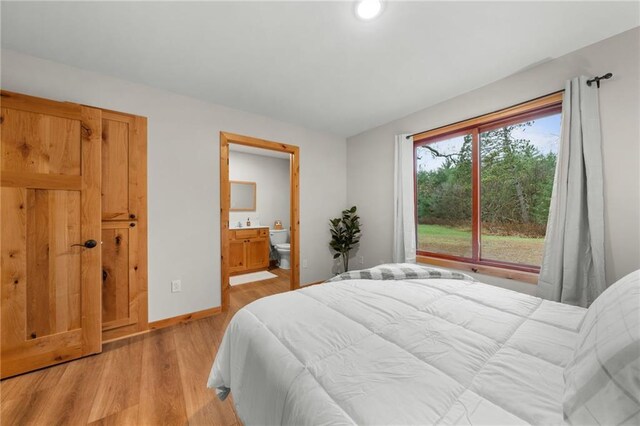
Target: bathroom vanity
248, 249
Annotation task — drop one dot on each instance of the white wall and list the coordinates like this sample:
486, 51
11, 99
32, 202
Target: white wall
183, 176
271, 176
370, 154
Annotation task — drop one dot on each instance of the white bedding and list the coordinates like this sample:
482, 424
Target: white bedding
398, 352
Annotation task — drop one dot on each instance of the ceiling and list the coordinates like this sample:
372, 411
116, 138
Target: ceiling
311, 63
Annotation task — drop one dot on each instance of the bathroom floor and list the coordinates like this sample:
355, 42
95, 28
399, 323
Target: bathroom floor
282, 276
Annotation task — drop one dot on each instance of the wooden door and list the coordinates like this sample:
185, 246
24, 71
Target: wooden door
237, 256
120, 293
257, 253
124, 224
50, 207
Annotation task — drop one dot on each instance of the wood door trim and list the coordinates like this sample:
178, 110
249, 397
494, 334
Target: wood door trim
225, 200
41, 181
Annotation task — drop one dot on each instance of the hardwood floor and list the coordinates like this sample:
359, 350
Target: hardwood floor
153, 379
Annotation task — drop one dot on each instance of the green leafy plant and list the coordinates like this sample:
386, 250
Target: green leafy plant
345, 234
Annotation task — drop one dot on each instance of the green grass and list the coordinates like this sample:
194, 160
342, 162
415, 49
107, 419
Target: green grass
457, 242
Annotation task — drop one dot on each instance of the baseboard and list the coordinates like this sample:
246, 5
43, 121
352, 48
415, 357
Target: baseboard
167, 322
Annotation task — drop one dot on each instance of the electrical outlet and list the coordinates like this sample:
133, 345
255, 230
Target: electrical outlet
362, 260
305, 263
176, 286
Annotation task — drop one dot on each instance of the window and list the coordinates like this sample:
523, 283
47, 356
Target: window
483, 186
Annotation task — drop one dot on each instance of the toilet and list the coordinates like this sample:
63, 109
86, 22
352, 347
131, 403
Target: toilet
280, 240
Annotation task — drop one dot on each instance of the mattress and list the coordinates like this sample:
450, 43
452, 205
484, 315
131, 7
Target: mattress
410, 351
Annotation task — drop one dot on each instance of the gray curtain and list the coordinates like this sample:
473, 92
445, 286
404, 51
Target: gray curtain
404, 224
572, 269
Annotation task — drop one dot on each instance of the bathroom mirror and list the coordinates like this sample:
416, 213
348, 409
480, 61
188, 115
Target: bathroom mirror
243, 196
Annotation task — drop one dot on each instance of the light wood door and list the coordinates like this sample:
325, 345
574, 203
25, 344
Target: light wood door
257, 253
124, 224
50, 206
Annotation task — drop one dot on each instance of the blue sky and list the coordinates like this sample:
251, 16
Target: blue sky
544, 134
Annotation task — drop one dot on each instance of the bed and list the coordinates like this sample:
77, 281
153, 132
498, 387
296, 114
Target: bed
423, 346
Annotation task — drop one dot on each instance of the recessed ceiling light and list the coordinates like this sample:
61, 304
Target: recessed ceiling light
368, 9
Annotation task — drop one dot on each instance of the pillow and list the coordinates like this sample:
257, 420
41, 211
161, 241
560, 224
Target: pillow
602, 380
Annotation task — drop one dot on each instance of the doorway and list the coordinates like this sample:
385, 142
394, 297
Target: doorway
225, 205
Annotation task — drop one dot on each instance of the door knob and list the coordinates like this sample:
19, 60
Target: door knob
87, 244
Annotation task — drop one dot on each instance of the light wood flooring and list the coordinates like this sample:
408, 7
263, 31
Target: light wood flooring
158, 378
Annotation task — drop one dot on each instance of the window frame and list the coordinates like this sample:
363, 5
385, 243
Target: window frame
536, 108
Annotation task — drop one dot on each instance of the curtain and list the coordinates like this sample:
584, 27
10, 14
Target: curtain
404, 233
572, 268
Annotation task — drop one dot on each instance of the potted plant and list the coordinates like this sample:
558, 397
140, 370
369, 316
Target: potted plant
345, 235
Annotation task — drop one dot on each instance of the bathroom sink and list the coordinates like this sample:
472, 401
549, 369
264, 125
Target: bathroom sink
234, 227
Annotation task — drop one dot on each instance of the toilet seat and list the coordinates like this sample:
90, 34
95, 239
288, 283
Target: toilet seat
285, 246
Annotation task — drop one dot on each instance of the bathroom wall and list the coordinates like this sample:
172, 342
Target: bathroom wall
271, 176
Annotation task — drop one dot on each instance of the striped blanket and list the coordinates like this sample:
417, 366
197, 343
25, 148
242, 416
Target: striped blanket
400, 271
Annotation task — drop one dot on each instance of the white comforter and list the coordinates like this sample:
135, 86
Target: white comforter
397, 352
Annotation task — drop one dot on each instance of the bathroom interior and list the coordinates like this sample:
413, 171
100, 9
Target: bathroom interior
259, 222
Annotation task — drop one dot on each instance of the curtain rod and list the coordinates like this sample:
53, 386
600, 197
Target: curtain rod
596, 80
477, 116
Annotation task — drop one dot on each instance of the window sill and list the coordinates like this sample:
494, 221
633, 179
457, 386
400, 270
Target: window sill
527, 277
